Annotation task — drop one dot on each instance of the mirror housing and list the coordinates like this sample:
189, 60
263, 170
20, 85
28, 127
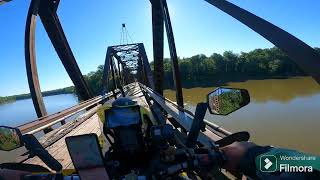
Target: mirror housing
223, 101
10, 138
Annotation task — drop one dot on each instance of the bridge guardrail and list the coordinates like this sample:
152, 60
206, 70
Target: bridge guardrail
47, 121
184, 115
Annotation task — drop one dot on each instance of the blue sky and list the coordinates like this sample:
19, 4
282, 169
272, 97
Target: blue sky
91, 27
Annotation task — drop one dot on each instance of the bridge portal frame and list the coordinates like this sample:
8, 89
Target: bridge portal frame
46, 9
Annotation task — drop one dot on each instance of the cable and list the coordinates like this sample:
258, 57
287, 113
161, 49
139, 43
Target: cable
129, 35
124, 35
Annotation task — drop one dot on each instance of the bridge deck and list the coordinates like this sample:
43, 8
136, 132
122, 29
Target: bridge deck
54, 141
58, 148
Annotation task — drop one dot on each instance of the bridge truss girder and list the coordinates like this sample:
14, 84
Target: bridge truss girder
161, 17
46, 9
134, 62
302, 54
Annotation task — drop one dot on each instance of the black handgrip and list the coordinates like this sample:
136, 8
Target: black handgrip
36, 149
238, 136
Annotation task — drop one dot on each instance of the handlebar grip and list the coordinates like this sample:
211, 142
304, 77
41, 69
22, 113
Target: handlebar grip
33, 145
235, 137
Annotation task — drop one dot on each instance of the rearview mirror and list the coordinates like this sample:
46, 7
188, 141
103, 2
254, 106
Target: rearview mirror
10, 138
223, 101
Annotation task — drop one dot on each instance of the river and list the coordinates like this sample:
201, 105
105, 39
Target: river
282, 112
22, 111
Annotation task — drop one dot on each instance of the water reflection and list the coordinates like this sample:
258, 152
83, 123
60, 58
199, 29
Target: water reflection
281, 90
22, 111
282, 113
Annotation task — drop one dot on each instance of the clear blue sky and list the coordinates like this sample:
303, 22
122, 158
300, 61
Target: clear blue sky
91, 27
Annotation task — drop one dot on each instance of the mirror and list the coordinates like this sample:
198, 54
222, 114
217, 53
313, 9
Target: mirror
10, 138
223, 101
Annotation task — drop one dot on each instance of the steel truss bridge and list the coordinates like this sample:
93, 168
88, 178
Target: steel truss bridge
126, 63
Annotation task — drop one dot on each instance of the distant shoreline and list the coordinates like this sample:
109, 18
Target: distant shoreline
13, 98
203, 83
203, 71
223, 80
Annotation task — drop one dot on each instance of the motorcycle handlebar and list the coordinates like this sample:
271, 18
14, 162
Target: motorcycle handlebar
35, 148
209, 159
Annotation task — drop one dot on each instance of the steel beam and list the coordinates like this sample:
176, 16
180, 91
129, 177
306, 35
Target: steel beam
173, 53
124, 45
106, 70
301, 53
114, 73
113, 79
119, 73
120, 62
56, 5
4, 1
123, 75
31, 65
55, 32
158, 39
114, 54
146, 66
120, 80
126, 75
30, 58
140, 73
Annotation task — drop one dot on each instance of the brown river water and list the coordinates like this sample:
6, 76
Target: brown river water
282, 112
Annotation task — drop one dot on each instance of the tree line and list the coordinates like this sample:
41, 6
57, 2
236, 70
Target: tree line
200, 70
217, 69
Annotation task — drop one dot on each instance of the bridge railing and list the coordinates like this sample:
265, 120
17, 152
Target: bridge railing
184, 117
50, 120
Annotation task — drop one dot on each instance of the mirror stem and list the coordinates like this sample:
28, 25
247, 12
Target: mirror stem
197, 124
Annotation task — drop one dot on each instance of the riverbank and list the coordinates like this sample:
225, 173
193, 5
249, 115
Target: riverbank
203, 71
218, 80
224, 80
219, 69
